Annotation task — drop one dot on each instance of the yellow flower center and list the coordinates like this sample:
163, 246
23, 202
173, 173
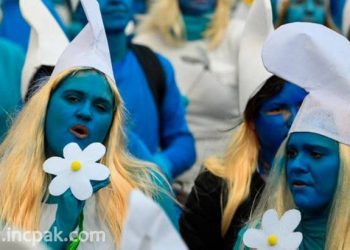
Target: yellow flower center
75, 166
248, 2
272, 240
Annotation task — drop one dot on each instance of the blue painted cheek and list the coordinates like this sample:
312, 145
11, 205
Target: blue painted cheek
320, 174
271, 131
85, 100
191, 7
116, 14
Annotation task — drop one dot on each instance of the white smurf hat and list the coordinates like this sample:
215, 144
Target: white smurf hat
90, 47
252, 73
317, 59
46, 43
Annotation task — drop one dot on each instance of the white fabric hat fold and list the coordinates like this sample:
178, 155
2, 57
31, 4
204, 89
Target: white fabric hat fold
46, 43
317, 59
90, 47
149, 229
252, 73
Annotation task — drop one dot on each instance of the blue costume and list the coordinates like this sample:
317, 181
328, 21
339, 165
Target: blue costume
11, 63
168, 131
14, 27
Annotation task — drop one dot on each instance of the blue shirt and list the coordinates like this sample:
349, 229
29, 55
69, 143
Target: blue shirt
166, 136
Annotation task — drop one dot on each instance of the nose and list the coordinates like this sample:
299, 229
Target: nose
297, 165
84, 112
309, 8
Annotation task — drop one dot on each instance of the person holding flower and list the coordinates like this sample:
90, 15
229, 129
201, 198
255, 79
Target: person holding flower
81, 105
311, 170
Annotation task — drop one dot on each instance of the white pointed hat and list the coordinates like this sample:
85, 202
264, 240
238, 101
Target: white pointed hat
252, 73
90, 47
149, 230
317, 59
46, 43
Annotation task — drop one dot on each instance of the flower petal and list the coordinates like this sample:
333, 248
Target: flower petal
290, 220
59, 185
254, 238
96, 171
94, 152
72, 151
81, 187
270, 222
56, 165
292, 241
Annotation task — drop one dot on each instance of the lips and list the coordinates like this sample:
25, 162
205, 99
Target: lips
300, 184
80, 131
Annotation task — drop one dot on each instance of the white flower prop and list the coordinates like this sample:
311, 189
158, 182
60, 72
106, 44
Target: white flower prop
76, 169
275, 234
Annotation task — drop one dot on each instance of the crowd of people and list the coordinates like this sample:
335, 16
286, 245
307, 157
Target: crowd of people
217, 111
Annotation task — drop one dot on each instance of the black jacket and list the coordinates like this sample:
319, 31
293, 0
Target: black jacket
200, 222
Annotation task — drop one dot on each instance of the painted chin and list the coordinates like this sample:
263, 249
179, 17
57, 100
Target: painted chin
80, 131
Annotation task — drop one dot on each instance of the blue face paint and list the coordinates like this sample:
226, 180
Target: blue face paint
80, 110
116, 14
337, 8
306, 11
275, 117
312, 168
197, 7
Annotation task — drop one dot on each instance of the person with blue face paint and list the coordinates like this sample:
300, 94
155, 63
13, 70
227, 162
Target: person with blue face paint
162, 129
300, 11
80, 103
74, 113
247, 162
311, 170
310, 158
201, 41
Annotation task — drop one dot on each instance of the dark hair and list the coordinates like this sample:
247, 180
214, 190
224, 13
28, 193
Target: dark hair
38, 79
271, 88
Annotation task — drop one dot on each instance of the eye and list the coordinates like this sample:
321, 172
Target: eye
101, 107
291, 153
72, 98
275, 111
315, 154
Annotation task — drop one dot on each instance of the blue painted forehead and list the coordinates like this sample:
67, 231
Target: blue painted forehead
336, 8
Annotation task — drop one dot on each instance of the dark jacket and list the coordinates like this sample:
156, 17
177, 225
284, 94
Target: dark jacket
200, 222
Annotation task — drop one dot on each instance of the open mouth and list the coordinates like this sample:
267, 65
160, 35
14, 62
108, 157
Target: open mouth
80, 131
299, 184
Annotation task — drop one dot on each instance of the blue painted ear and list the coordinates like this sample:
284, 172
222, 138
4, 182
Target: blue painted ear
336, 8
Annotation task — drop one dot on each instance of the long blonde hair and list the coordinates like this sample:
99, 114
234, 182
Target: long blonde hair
23, 183
236, 168
165, 18
278, 196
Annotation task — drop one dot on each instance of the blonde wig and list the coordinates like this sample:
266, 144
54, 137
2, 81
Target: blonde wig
240, 161
165, 18
23, 183
278, 196
236, 168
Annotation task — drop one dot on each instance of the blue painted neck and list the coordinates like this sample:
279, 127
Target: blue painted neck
118, 45
265, 161
195, 26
